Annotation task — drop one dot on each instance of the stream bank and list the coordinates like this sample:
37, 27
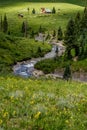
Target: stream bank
26, 68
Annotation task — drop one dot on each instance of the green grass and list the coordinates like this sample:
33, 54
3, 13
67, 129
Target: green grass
14, 49
34, 21
42, 104
50, 65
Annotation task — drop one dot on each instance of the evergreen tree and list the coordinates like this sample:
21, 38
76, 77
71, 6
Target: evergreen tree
53, 10
84, 21
40, 29
39, 51
1, 24
70, 37
54, 33
33, 11
24, 28
77, 23
5, 24
67, 73
60, 34
32, 34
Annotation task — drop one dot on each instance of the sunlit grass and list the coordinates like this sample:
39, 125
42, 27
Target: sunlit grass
49, 22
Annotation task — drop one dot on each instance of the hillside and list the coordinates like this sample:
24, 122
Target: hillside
43, 104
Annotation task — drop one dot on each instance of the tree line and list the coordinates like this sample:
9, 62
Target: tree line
76, 36
4, 24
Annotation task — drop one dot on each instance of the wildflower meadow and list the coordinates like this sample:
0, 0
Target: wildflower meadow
42, 104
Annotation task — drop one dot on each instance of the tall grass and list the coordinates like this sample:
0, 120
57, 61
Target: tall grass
42, 104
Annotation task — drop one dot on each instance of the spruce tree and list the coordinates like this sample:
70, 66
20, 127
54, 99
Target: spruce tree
84, 21
32, 34
5, 24
77, 23
1, 24
33, 11
67, 73
23, 27
53, 10
60, 34
70, 37
54, 33
40, 29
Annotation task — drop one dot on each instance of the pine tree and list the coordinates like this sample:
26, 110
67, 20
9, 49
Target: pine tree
77, 23
70, 37
54, 33
53, 10
33, 11
84, 21
39, 51
24, 28
5, 24
67, 73
32, 34
60, 34
40, 29
1, 24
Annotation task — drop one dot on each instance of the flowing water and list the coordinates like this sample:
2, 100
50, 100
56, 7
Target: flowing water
26, 68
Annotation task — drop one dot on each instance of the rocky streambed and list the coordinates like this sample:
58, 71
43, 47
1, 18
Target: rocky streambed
26, 68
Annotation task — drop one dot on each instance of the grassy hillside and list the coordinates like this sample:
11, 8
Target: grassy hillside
34, 21
42, 104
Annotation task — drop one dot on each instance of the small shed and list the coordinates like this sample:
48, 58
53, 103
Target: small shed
45, 10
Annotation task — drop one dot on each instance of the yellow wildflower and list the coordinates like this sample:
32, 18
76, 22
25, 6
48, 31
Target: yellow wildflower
5, 114
37, 115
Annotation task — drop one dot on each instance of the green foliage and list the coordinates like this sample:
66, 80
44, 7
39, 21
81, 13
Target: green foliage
23, 27
54, 33
5, 24
70, 33
53, 10
1, 24
13, 49
40, 29
47, 66
67, 73
32, 34
60, 34
33, 11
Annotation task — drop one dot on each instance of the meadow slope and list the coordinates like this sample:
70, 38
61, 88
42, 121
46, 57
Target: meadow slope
43, 104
